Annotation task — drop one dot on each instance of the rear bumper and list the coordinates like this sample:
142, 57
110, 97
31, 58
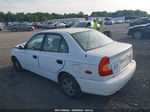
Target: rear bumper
110, 86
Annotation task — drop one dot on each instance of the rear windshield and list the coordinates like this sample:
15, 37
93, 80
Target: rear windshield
89, 40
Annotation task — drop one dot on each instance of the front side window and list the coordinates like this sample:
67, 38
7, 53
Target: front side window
92, 39
55, 43
36, 42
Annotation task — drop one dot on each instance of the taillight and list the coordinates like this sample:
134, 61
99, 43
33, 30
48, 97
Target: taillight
105, 67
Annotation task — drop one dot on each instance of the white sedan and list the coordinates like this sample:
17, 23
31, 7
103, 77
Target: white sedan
80, 60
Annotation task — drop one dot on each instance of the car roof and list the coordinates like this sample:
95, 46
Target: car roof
67, 30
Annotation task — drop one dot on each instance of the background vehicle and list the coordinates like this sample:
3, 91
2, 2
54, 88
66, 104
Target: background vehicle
68, 24
85, 24
79, 59
139, 31
20, 27
139, 21
37, 25
60, 25
49, 25
88, 24
2, 26
110, 22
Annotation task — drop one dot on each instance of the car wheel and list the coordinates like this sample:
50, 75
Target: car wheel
137, 35
30, 29
70, 86
17, 66
14, 30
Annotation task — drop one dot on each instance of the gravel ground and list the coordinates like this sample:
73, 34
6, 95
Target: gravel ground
29, 91
8, 40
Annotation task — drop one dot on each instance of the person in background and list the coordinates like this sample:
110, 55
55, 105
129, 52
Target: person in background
95, 23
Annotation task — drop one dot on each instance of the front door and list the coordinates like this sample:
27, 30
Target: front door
30, 55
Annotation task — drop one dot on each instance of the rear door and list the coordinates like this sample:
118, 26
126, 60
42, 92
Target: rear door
21, 27
18, 27
53, 56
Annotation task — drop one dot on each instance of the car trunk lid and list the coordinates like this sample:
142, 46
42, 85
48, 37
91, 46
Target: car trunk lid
120, 55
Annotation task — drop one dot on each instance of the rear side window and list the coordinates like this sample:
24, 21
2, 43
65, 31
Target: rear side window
55, 43
89, 40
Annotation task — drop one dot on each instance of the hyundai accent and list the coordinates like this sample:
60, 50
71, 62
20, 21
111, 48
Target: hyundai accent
78, 59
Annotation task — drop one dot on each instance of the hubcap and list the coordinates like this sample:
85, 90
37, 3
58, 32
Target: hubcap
68, 86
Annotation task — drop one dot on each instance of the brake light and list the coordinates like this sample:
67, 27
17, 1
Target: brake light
105, 67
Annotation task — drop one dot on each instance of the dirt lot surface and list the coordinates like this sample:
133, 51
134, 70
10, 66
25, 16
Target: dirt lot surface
27, 90
8, 40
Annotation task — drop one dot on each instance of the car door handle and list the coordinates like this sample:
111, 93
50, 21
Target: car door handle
34, 56
59, 62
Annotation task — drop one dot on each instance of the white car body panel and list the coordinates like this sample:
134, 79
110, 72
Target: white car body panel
77, 61
48, 64
110, 86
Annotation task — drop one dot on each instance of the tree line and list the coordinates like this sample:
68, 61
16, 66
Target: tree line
39, 16
119, 13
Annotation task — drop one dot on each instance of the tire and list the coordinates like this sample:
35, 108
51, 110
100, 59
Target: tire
137, 34
69, 86
30, 29
108, 33
14, 30
17, 66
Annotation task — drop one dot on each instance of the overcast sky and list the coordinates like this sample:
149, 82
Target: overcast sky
72, 6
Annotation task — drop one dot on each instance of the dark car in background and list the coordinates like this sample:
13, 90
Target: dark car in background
37, 25
139, 21
108, 21
139, 31
20, 27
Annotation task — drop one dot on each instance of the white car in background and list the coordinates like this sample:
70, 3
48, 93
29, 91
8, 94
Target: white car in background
60, 25
49, 25
80, 60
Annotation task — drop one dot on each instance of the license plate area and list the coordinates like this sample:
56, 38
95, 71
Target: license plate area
124, 62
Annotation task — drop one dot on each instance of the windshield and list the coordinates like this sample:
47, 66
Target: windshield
89, 40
